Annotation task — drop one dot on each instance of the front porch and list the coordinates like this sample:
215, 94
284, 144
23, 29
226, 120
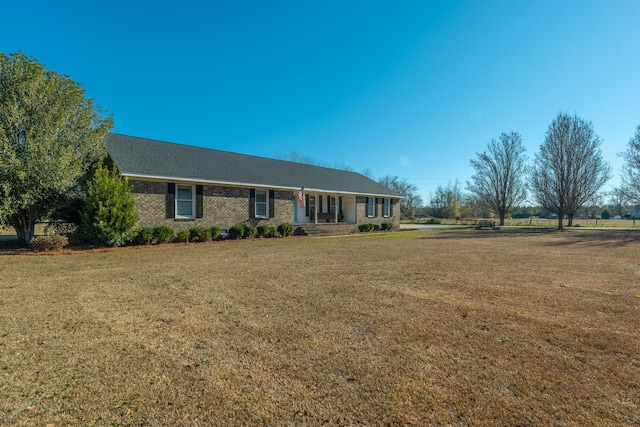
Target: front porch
324, 208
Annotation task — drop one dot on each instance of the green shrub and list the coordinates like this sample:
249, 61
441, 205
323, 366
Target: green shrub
285, 229
376, 227
273, 230
144, 236
199, 234
163, 234
249, 231
182, 236
262, 230
215, 233
108, 214
236, 232
386, 226
365, 227
53, 242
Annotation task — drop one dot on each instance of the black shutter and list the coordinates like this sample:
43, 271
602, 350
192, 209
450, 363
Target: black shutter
272, 197
366, 208
391, 207
171, 200
375, 206
319, 204
199, 201
340, 206
306, 204
252, 203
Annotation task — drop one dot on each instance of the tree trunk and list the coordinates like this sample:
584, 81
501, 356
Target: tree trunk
570, 220
502, 215
25, 225
560, 215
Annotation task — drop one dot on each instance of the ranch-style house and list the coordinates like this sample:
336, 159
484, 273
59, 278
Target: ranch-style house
185, 186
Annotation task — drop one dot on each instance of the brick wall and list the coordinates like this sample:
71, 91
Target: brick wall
362, 218
223, 207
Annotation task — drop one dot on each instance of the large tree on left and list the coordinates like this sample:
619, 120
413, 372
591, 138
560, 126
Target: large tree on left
51, 137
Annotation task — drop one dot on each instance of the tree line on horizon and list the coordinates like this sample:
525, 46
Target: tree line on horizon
565, 178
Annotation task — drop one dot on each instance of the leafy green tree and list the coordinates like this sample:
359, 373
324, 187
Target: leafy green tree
412, 200
500, 173
51, 136
109, 215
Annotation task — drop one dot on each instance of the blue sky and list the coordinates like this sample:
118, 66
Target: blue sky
410, 88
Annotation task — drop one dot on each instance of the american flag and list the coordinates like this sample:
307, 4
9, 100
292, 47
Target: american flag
301, 197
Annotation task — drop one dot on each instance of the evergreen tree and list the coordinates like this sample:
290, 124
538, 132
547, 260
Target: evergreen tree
108, 214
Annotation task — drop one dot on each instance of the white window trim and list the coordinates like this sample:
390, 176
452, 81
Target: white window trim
372, 200
193, 201
266, 204
386, 208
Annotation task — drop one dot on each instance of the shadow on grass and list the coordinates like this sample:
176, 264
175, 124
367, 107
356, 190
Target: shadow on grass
565, 237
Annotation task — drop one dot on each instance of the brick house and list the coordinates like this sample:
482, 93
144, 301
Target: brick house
185, 186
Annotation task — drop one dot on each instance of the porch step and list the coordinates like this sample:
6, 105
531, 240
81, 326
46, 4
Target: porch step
308, 230
322, 229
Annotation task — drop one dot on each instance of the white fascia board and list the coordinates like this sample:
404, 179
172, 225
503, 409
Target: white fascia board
247, 184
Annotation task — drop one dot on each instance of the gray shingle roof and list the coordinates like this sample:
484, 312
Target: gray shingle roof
147, 158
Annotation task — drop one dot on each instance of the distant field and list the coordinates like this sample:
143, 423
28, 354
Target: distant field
544, 222
510, 327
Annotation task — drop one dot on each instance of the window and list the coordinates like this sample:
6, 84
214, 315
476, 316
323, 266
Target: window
262, 204
386, 208
371, 206
184, 201
332, 204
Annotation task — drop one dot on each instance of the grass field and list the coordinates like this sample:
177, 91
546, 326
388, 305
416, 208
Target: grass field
516, 327
540, 222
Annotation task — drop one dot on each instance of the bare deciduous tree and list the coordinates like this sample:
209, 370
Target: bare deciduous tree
631, 169
412, 199
619, 199
569, 169
447, 201
500, 174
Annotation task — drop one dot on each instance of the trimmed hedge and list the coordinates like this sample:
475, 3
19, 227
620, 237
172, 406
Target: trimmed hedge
182, 236
236, 232
215, 233
144, 236
199, 234
249, 231
163, 234
386, 226
262, 230
285, 229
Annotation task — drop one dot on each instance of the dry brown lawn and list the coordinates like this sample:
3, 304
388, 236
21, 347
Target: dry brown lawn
509, 327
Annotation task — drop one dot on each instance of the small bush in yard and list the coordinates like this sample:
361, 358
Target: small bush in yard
53, 242
144, 236
285, 229
262, 230
386, 226
273, 230
376, 227
365, 227
249, 231
163, 234
199, 234
182, 236
236, 232
215, 233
